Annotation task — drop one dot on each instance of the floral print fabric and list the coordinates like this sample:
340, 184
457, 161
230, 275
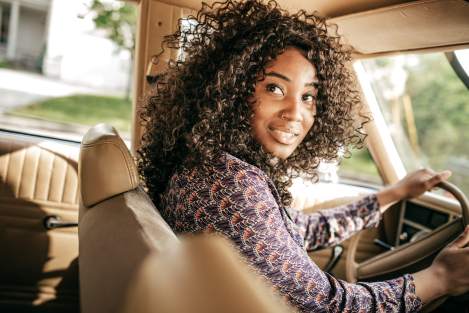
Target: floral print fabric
239, 201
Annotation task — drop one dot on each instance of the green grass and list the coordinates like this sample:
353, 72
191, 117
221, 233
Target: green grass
360, 166
82, 109
4, 64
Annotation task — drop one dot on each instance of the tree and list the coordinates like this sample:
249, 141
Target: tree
119, 20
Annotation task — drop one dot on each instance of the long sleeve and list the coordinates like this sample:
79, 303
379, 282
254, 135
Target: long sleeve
331, 226
236, 201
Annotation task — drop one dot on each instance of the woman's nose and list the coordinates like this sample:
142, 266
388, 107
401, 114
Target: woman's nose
291, 111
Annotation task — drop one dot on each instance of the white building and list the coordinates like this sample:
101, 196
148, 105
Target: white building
59, 37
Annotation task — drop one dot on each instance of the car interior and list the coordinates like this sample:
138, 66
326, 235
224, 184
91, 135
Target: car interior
78, 233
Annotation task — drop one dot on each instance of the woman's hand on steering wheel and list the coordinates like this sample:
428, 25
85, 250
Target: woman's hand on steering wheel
448, 275
411, 186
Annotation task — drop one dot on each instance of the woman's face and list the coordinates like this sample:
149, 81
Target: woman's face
285, 103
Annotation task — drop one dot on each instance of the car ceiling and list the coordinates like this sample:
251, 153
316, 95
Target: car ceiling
375, 27
329, 8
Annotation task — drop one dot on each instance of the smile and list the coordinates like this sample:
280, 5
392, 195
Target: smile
283, 136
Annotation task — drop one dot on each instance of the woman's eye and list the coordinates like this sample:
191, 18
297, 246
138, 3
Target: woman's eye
309, 98
272, 88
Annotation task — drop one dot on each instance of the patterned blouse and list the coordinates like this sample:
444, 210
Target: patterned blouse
239, 201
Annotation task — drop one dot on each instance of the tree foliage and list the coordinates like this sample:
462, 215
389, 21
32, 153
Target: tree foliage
118, 19
440, 102
440, 107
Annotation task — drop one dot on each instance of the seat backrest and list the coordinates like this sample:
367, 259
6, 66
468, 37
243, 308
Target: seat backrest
203, 274
38, 266
118, 223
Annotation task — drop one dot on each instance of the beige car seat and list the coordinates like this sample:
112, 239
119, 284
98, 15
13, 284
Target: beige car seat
118, 223
122, 237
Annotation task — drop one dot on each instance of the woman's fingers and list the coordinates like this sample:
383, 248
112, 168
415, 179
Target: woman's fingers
438, 178
414, 185
444, 175
462, 240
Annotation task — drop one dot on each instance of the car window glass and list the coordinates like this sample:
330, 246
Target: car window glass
359, 167
66, 65
426, 108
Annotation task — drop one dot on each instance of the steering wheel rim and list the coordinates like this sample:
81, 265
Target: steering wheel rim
351, 266
460, 196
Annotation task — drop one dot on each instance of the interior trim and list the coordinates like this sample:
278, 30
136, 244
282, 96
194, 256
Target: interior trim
447, 48
406, 26
328, 8
36, 135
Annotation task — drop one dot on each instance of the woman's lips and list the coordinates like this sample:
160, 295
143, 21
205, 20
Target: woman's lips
283, 136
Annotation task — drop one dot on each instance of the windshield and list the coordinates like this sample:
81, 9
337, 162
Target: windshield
426, 107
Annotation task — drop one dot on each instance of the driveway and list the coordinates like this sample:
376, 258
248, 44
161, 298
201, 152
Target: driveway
19, 88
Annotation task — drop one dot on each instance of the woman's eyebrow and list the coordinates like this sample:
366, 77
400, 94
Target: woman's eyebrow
314, 84
281, 76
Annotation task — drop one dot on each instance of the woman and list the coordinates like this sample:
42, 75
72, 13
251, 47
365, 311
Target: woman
258, 98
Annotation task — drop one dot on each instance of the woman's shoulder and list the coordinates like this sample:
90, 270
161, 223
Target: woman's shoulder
224, 169
226, 177
231, 164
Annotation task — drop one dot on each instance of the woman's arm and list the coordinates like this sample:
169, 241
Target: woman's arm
448, 273
411, 186
250, 217
329, 227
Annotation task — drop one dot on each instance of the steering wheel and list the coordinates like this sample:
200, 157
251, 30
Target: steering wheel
410, 257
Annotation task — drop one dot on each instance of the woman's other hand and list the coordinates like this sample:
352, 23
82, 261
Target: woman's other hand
413, 185
448, 274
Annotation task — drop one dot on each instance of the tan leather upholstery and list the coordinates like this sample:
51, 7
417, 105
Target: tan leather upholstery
119, 226
38, 267
204, 274
107, 168
40, 171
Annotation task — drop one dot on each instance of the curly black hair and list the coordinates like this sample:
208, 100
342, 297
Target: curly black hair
200, 105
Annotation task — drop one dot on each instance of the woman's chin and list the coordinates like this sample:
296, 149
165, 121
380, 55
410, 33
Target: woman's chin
281, 151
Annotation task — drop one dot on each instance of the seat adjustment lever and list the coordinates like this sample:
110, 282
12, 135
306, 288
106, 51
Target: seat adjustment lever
335, 257
53, 221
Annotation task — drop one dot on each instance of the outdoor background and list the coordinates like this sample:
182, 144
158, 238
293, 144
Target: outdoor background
426, 107
66, 65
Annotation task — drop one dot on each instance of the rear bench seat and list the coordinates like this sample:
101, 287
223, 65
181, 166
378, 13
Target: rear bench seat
38, 267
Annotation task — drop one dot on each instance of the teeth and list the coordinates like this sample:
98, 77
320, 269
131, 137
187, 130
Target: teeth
286, 134
283, 136
281, 132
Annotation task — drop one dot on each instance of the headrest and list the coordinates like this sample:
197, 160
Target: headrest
105, 167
